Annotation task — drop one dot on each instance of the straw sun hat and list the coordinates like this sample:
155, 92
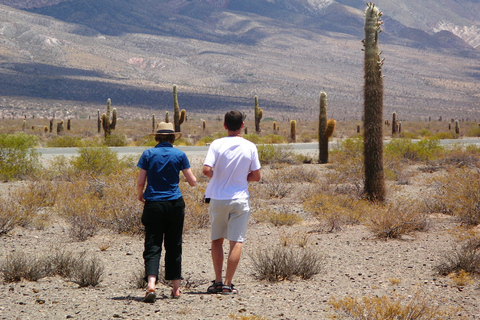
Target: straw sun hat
165, 128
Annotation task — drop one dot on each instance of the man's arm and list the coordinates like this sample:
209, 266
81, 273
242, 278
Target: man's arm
208, 171
254, 175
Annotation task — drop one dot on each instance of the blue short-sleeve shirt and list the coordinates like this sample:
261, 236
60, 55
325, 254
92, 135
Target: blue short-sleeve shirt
163, 164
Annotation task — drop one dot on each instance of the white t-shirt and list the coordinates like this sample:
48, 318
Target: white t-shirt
231, 158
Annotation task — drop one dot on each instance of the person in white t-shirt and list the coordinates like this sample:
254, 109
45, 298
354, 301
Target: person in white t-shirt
231, 162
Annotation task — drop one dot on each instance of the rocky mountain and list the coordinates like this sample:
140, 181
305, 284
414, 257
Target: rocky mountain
221, 53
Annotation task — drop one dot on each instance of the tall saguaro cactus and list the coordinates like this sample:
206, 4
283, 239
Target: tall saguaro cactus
394, 124
178, 116
107, 124
258, 116
322, 125
373, 108
293, 131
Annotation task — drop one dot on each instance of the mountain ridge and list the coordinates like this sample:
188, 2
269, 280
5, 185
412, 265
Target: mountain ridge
222, 53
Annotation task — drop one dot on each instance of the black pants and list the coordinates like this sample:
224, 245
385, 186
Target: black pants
163, 220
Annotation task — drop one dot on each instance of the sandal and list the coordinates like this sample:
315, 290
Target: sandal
172, 296
150, 296
215, 287
229, 289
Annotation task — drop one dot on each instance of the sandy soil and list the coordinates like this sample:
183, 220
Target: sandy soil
354, 264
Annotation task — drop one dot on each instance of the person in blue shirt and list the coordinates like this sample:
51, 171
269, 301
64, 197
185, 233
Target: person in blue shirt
164, 207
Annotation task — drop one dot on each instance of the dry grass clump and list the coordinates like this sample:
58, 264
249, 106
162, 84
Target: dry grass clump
285, 263
279, 216
196, 210
335, 210
416, 307
463, 259
396, 218
457, 193
80, 268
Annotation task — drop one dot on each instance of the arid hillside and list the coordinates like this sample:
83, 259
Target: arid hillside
59, 56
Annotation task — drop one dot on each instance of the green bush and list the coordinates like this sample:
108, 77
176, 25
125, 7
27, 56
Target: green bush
475, 132
18, 158
269, 154
273, 138
96, 160
204, 141
425, 149
116, 140
65, 142
253, 138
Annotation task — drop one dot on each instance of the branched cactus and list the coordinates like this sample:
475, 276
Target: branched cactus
293, 131
258, 116
178, 116
107, 124
374, 186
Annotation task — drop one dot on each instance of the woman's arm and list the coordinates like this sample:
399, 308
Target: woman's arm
191, 179
142, 178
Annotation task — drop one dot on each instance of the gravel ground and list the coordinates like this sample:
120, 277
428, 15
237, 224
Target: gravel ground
353, 264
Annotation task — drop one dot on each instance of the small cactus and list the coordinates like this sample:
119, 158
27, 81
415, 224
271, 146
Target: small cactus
51, 125
293, 131
107, 124
24, 125
153, 123
69, 124
204, 125
167, 117
45, 129
60, 128
178, 116
99, 122
457, 127
394, 124
258, 116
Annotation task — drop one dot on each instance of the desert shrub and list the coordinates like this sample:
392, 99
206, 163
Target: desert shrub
396, 218
120, 209
137, 278
276, 185
464, 258
474, 132
18, 266
444, 135
460, 155
298, 173
425, 149
11, 215
416, 307
204, 141
18, 157
424, 132
334, 211
457, 193
87, 270
277, 217
296, 238
97, 160
116, 140
285, 262
59, 168
65, 142
196, 210
253, 137
273, 139
269, 154
346, 160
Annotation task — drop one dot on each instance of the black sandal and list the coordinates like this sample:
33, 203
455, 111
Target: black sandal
229, 289
215, 287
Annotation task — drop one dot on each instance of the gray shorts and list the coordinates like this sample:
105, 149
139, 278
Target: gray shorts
229, 219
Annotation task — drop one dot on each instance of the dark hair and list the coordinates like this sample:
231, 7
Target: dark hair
233, 120
165, 138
